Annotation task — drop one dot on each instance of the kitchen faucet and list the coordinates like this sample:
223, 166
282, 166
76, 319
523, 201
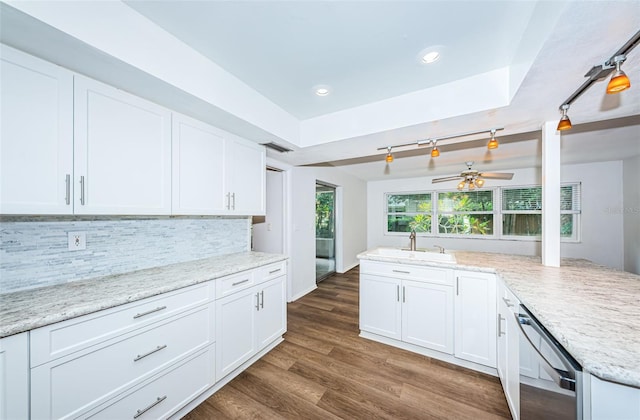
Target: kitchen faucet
441, 248
412, 238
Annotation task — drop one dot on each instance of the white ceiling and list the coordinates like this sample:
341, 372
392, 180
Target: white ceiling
504, 64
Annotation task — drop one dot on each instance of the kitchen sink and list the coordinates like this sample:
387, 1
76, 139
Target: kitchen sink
422, 255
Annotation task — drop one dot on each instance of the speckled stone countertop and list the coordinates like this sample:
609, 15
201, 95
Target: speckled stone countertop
29, 309
593, 311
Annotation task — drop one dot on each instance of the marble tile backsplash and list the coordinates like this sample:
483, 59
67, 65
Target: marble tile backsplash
34, 253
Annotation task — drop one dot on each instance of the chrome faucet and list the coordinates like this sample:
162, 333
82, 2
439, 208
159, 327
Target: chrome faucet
412, 238
441, 248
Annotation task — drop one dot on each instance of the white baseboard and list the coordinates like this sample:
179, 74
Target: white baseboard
344, 270
299, 295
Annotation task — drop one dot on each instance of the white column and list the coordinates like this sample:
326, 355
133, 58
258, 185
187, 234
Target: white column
550, 194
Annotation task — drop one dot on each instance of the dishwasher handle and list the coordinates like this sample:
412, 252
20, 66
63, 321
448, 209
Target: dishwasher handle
561, 377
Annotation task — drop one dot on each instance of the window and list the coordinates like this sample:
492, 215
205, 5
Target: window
407, 212
465, 213
522, 211
509, 213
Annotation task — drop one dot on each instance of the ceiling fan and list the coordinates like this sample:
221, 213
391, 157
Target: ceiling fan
473, 178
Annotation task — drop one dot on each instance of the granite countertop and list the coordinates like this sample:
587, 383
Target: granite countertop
592, 310
25, 310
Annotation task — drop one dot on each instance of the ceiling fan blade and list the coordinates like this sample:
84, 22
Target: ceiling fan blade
445, 179
496, 175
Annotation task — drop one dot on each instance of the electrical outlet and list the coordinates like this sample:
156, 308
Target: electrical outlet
77, 241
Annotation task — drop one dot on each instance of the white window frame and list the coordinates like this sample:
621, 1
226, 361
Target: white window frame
437, 214
386, 212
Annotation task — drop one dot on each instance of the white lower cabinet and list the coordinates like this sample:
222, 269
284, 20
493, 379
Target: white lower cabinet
414, 306
14, 377
247, 321
508, 354
475, 317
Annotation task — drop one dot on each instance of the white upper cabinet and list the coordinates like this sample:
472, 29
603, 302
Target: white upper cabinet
122, 152
36, 140
246, 170
197, 167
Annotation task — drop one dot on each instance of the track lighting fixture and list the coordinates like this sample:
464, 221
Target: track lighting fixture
434, 149
493, 143
565, 122
619, 81
435, 152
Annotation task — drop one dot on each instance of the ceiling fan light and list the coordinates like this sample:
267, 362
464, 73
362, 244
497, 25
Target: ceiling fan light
472, 185
461, 185
619, 82
435, 152
479, 183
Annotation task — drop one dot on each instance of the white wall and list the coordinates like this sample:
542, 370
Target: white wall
602, 230
351, 226
631, 214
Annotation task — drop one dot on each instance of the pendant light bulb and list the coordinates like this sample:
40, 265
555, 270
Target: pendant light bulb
434, 149
565, 122
493, 143
479, 183
389, 157
619, 80
461, 185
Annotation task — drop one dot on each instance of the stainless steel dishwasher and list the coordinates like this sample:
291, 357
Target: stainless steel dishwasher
559, 398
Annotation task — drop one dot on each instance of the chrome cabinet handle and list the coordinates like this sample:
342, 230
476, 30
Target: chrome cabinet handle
274, 271
141, 314
239, 282
257, 301
457, 286
228, 201
67, 184
82, 190
402, 272
507, 302
398, 293
142, 356
149, 407
500, 319
404, 294
262, 299
233, 198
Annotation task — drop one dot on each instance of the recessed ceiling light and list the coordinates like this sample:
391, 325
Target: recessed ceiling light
430, 57
321, 90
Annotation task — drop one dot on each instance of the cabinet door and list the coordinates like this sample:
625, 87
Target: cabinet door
427, 315
235, 330
122, 152
14, 377
36, 139
197, 166
380, 308
271, 321
512, 385
246, 168
475, 317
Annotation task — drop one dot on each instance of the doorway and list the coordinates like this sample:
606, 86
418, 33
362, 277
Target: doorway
325, 231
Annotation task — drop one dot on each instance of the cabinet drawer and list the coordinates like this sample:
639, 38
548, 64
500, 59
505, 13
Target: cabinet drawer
166, 394
410, 272
272, 271
233, 283
63, 338
507, 297
70, 385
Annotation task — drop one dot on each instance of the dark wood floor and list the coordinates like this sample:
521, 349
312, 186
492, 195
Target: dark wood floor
323, 370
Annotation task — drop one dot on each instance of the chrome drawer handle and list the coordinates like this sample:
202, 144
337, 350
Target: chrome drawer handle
507, 302
239, 282
149, 407
274, 271
141, 314
403, 272
142, 356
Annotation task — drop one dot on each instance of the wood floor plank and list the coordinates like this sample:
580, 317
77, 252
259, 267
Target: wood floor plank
325, 370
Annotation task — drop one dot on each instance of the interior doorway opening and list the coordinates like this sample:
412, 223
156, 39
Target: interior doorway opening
325, 231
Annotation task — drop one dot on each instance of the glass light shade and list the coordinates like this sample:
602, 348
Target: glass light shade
493, 143
389, 158
619, 82
472, 186
461, 185
479, 183
564, 124
435, 152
